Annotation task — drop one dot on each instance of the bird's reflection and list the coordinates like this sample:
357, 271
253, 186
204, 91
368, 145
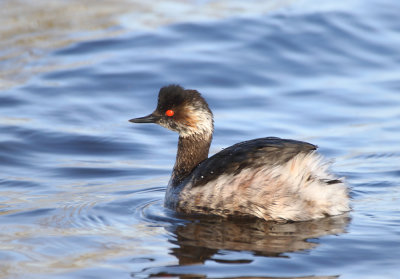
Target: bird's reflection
203, 239
199, 240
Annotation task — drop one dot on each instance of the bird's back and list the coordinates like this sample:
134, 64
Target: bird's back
266, 152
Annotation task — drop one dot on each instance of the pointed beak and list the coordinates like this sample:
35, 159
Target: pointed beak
151, 118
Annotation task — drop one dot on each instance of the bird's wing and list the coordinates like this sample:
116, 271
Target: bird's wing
254, 153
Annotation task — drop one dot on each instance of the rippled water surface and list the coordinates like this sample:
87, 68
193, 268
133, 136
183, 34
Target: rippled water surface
81, 188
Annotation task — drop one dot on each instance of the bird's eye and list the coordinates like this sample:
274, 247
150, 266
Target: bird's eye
169, 112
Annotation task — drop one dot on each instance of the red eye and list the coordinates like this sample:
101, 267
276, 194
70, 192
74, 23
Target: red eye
169, 112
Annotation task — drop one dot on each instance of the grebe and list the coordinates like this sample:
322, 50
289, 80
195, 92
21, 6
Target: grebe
269, 178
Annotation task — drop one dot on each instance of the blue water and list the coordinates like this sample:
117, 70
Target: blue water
81, 188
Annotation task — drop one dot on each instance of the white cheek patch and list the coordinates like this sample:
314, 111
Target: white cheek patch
201, 123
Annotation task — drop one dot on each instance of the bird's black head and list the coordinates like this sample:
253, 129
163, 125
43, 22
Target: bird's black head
180, 110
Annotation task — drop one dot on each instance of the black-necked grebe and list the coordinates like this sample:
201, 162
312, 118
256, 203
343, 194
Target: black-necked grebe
269, 178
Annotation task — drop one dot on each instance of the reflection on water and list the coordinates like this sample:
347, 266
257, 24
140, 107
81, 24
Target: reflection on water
205, 239
199, 241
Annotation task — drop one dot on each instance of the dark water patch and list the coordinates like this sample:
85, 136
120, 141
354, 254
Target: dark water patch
33, 213
123, 81
77, 75
373, 174
15, 153
9, 101
371, 186
380, 155
92, 172
48, 141
18, 183
90, 47
207, 32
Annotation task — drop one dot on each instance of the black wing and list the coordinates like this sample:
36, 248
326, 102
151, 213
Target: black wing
268, 151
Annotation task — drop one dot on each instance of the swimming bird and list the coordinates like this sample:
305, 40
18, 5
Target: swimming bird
268, 178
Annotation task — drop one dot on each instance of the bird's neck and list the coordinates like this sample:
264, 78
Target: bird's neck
192, 150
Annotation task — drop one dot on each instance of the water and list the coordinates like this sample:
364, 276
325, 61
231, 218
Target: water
81, 188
